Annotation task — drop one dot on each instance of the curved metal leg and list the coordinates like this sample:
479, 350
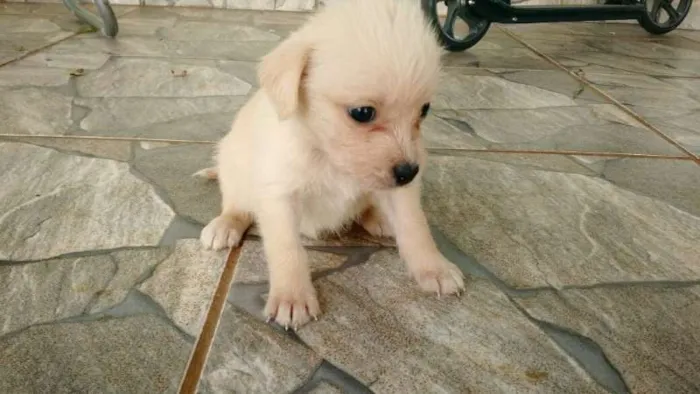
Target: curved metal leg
106, 22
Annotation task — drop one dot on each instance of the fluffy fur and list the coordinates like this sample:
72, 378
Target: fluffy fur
296, 162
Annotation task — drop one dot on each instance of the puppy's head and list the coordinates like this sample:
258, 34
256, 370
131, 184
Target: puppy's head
360, 76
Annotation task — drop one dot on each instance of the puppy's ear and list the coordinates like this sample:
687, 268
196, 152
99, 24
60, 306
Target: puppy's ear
281, 72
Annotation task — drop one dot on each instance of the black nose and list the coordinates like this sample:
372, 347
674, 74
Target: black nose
404, 173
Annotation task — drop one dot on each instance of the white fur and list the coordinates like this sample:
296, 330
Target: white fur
295, 162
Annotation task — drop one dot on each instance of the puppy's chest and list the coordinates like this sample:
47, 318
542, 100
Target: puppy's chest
330, 205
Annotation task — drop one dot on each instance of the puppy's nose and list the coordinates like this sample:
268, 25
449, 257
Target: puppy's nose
404, 173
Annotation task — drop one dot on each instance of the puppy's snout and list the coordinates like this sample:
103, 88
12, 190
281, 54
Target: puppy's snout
404, 173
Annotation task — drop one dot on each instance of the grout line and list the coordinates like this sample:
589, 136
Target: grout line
36, 50
430, 150
195, 367
607, 96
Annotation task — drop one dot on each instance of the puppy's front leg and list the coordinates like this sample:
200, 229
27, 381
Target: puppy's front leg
429, 267
292, 300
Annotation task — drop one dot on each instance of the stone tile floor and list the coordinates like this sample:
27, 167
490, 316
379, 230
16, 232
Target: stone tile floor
564, 182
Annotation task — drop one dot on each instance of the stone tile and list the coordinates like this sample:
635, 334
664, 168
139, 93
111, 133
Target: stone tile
666, 49
245, 71
458, 91
649, 94
34, 111
266, 18
51, 290
199, 118
606, 62
66, 60
251, 4
215, 31
101, 201
325, 388
16, 75
184, 284
113, 150
187, 3
559, 82
248, 356
439, 132
536, 228
510, 58
649, 333
128, 77
43, 292
132, 267
691, 35
675, 182
145, 26
171, 169
295, 5
415, 344
594, 127
578, 29
34, 25
156, 47
687, 136
135, 354
546, 162
23, 33
8, 56
196, 13
251, 267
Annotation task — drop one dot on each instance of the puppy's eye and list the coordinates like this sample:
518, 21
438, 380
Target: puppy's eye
363, 114
424, 110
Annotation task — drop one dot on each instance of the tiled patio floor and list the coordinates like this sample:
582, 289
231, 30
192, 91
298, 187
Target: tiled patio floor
576, 216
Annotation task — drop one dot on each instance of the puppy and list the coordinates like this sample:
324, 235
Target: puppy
333, 136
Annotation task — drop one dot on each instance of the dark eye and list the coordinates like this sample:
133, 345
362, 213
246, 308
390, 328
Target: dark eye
363, 114
424, 110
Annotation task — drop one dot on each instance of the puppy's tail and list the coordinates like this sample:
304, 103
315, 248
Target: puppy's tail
210, 173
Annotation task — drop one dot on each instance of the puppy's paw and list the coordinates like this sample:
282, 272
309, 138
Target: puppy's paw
293, 304
220, 233
439, 276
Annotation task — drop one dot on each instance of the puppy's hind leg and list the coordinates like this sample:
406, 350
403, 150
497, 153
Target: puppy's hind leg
227, 229
375, 222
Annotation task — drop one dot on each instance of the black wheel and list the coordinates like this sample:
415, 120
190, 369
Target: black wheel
664, 16
460, 29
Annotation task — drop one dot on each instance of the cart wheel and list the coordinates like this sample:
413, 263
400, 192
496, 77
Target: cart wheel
460, 29
109, 21
664, 16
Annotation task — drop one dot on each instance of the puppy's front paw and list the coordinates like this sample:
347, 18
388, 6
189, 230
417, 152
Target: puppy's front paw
220, 233
292, 304
439, 276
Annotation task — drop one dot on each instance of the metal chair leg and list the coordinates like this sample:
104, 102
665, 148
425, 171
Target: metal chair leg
106, 22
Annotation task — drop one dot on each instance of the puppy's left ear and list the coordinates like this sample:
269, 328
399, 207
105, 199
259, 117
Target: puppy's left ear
281, 72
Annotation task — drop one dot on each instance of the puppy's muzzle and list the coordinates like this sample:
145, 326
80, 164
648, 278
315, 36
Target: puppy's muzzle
404, 173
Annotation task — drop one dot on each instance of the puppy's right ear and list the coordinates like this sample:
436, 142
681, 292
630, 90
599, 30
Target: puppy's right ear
281, 72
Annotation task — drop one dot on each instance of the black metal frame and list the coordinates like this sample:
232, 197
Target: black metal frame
500, 11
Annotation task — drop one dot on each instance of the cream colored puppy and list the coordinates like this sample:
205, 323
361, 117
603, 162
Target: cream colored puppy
333, 136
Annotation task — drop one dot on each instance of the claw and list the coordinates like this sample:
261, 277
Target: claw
269, 319
438, 294
315, 318
286, 327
